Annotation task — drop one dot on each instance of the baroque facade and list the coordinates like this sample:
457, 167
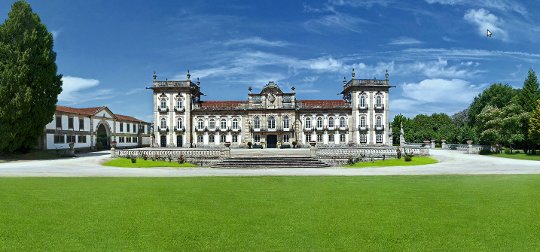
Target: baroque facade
271, 118
86, 127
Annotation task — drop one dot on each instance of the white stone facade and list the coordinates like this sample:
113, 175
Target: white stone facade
85, 127
271, 118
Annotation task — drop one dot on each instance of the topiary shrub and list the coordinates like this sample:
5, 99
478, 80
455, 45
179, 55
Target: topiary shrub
145, 156
408, 158
398, 153
350, 160
249, 144
181, 159
507, 151
133, 159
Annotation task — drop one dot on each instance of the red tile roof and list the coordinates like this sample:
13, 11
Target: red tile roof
127, 118
79, 111
221, 104
92, 111
323, 103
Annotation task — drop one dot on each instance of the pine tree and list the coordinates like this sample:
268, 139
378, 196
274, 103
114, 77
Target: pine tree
534, 125
29, 83
529, 94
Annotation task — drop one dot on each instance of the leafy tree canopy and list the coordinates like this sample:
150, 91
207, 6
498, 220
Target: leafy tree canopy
29, 83
497, 95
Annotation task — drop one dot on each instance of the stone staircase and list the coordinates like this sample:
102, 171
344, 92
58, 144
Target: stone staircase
270, 162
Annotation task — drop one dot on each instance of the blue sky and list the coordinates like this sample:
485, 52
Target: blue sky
436, 51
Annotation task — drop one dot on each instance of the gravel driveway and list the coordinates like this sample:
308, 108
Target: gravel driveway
88, 165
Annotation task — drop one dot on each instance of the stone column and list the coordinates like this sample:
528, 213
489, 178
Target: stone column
443, 144
433, 143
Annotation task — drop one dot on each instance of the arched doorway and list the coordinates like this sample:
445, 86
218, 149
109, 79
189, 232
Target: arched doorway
163, 140
102, 137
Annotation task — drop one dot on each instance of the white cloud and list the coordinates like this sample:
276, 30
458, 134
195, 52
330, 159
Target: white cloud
501, 5
76, 90
257, 41
405, 41
442, 91
484, 20
335, 21
55, 34
324, 64
438, 69
72, 86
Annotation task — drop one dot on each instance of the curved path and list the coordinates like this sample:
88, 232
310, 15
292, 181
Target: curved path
451, 162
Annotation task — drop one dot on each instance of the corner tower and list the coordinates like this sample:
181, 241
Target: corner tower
369, 100
173, 102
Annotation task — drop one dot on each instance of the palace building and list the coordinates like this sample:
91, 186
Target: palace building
271, 118
90, 128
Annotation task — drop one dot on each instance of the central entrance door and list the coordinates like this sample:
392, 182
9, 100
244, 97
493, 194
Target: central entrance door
163, 141
271, 141
179, 141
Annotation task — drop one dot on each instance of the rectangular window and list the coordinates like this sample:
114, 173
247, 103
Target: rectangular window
223, 138
59, 139
71, 139
128, 127
342, 138
81, 125
331, 138
235, 138
211, 138
58, 122
308, 138
199, 139
379, 138
81, 139
257, 138
135, 140
121, 127
286, 138
319, 138
363, 138
70, 122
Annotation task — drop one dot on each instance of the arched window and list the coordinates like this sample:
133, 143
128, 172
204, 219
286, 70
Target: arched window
362, 101
212, 124
331, 122
179, 103
235, 123
211, 138
342, 123
163, 103
271, 122
286, 122
362, 121
319, 122
200, 124
180, 124
308, 122
256, 122
223, 124
379, 101
379, 121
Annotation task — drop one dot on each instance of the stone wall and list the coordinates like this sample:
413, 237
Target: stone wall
201, 157
337, 156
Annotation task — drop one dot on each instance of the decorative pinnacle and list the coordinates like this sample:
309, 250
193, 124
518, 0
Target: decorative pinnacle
293, 88
386, 75
198, 82
344, 81
249, 89
188, 75
353, 74
154, 76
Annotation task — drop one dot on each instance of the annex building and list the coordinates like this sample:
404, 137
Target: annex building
271, 118
93, 128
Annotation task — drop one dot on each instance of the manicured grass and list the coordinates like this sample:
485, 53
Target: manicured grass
518, 156
416, 160
141, 163
386, 213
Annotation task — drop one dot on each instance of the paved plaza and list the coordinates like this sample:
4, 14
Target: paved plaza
88, 165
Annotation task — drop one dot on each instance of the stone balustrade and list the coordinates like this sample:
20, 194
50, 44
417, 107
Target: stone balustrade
202, 157
340, 155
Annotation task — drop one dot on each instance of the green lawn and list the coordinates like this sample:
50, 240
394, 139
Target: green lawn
141, 163
417, 160
385, 213
518, 156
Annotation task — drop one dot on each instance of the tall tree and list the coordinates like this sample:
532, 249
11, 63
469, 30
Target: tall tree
529, 94
29, 83
503, 125
534, 126
497, 95
396, 127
